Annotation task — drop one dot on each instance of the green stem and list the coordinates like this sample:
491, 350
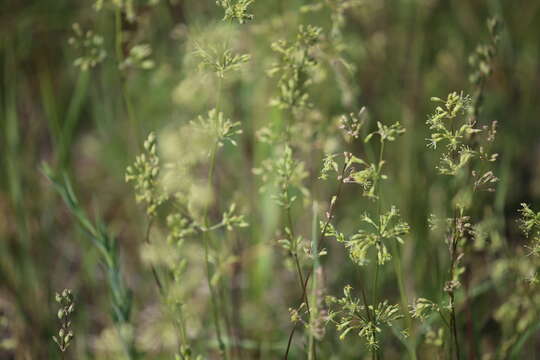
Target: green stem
119, 39
153, 268
379, 211
396, 257
206, 244
314, 249
453, 257
296, 259
322, 236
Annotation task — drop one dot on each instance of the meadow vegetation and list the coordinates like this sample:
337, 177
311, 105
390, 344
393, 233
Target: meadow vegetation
254, 179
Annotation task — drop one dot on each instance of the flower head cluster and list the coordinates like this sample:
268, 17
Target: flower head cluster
144, 174
445, 123
230, 220
355, 171
381, 228
530, 226
350, 315
389, 227
368, 175
217, 128
138, 58
314, 319
236, 10
283, 174
295, 65
352, 124
180, 227
481, 59
220, 62
423, 308
386, 132
67, 307
90, 48
453, 126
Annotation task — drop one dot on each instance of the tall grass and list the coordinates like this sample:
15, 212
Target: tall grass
306, 189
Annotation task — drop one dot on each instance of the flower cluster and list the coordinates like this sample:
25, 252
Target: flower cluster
217, 128
67, 307
530, 226
90, 48
138, 58
350, 315
295, 65
481, 59
236, 10
283, 174
389, 227
220, 62
144, 173
352, 124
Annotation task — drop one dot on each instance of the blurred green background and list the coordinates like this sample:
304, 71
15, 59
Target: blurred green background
401, 53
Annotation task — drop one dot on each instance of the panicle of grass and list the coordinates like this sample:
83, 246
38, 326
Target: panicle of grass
530, 226
351, 315
236, 10
144, 174
67, 306
295, 67
105, 243
89, 47
139, 57
220, 62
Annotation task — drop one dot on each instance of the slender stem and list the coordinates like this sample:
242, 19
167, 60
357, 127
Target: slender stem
379, 220
206, 241
314, 245
454, 326
375, 279
154, 271
322, 236
296, 259
119, 39
403, 294
225, 315
444, 319
453, 256
368, 314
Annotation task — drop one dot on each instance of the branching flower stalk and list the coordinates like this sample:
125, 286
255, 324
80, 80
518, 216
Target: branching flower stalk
319, 250
146, 176
137, 57
377, 232
67, 307
384, 133
481, 62
454, 125
294, 66
120, 60
220, 65
105, 243
223, 129
206, 241
144, 173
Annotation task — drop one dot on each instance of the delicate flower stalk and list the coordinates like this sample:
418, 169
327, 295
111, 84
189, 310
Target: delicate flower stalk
206, 240
105, 243
454, 125
384, 228
67, 307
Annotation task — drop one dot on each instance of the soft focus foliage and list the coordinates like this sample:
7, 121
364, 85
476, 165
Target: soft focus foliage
211, 179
